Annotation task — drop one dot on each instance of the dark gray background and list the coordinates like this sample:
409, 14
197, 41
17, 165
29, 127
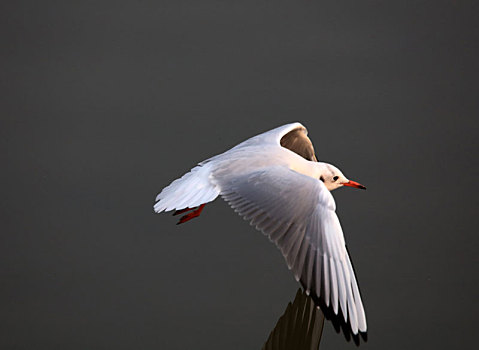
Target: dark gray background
104, 103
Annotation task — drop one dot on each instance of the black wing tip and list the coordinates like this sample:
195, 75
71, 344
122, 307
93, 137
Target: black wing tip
339, 325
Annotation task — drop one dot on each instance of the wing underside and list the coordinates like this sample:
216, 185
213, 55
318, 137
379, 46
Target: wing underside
297, 213
297, 140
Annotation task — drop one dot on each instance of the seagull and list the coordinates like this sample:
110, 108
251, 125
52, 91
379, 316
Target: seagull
274, 181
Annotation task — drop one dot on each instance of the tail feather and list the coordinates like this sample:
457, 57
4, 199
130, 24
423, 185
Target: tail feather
191, 190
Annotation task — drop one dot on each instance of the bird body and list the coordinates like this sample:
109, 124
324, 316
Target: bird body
274, 181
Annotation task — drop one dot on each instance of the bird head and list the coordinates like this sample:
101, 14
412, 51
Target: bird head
333, 178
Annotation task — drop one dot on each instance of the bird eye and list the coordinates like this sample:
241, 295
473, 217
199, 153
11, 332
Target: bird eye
335, 178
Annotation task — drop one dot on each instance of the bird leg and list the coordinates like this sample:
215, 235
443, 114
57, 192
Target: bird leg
196, 212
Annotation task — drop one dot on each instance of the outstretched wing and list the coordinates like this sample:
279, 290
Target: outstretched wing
297, 140
297, 213
194, 188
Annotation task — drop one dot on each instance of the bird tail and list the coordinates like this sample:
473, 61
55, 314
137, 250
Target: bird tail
191, 190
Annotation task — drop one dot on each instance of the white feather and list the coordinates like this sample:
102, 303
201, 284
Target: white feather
279, 192
191, 190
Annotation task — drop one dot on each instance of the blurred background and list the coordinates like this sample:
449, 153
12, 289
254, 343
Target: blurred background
103, 103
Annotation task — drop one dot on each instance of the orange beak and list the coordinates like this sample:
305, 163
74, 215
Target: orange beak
354, 184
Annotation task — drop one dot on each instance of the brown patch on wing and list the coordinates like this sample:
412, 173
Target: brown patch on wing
298, 142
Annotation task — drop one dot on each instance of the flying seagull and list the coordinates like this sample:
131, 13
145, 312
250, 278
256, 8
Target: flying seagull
274, 181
